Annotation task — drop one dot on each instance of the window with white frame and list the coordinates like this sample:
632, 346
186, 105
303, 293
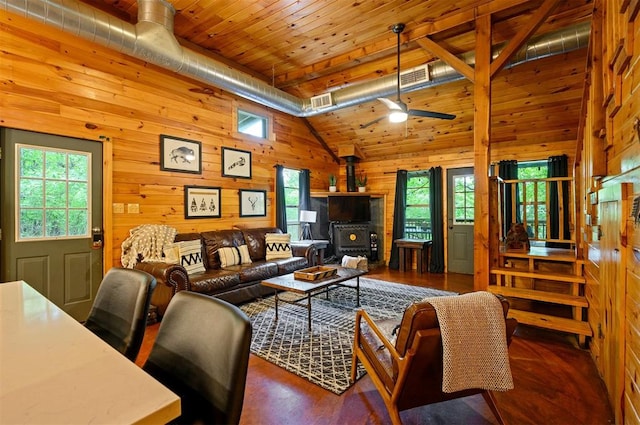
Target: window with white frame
252, 124
417, 224
292, 201
53, 193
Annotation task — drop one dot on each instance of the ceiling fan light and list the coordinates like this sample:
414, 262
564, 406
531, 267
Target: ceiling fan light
397, 116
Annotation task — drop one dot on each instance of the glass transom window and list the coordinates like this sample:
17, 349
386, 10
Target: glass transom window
252, 124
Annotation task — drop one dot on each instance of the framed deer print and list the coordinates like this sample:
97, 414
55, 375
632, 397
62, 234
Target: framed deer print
236, 163
253, 203
201, 202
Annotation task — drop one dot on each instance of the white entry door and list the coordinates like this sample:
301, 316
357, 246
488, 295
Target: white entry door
460, 208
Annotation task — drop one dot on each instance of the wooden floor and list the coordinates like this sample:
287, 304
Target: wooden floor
555, 383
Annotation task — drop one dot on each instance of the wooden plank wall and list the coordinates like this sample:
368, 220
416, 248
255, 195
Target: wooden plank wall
55, 83
550, 133
610, 158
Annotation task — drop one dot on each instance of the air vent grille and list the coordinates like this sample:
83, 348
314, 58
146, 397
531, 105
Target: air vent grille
322, 101
414, 76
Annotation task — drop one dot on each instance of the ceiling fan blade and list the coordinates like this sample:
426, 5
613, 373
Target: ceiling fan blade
390, 104
429, 114
372, 122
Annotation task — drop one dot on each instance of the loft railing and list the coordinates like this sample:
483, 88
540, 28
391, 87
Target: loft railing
417, 229
531, 205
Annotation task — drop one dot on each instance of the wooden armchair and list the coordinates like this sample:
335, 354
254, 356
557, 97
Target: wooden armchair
409, 373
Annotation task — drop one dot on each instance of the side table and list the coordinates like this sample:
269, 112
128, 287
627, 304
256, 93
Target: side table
319, 244
420, 246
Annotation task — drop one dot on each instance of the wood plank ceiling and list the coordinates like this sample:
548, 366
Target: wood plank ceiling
310, 47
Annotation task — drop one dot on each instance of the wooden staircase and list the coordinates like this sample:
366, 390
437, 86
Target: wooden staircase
548, 275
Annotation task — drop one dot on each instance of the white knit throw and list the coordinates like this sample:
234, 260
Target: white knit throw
146, 240
474, 343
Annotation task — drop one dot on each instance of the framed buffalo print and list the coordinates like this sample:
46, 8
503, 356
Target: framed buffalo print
182, 155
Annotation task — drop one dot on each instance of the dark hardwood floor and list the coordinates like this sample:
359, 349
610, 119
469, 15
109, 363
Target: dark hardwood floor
556, 382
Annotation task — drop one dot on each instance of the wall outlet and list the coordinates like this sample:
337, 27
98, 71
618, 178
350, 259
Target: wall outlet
133, 208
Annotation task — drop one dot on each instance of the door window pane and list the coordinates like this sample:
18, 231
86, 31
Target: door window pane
53, 193
463, 198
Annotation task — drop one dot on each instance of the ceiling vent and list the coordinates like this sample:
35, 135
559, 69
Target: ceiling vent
321, 101
414, 76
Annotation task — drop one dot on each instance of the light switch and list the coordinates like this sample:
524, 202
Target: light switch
133, 208
118, 208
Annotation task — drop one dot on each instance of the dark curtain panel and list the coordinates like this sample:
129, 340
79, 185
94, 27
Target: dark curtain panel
305, 190
436, 261
281, 204
557, 167
508, 170
399, 214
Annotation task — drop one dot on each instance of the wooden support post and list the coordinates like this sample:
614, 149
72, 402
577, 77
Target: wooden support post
482, 124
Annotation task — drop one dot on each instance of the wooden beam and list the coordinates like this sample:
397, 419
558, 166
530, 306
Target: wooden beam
320, 140
523, 35
445, 55
481, 148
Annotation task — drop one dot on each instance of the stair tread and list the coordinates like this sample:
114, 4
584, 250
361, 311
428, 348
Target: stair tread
536, 295
551, 322
562, 277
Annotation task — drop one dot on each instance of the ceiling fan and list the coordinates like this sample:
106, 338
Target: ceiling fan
398, 111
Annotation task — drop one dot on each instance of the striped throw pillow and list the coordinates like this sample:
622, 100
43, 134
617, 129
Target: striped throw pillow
278, 245
191, 256
231, 256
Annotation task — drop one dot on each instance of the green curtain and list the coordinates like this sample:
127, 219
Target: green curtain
399, 214
557, 166
436, 261
304, 189
508, 170
281, 203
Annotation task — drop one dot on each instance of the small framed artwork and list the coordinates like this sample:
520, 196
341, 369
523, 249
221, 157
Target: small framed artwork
201, 202
236, 163
253, 203
182, 155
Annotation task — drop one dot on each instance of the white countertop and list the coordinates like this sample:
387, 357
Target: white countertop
55, 371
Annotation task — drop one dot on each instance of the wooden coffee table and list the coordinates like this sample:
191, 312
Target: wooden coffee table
312, 288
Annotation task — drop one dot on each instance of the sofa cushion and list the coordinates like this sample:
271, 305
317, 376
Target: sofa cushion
254, 239
257, 271
278, 245
290, 265
230, 256
212, 281
216, 239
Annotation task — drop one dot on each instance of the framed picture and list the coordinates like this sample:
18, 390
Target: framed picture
180, 155
253, 203
201, 202
236, 163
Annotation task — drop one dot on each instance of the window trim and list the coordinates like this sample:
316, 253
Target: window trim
236, 105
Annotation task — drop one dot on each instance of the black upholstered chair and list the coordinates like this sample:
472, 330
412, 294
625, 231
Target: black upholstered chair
119, 312
201, 353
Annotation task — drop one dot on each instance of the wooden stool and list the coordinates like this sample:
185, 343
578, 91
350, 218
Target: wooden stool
420, 246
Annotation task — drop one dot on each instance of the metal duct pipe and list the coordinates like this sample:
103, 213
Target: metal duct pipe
152, 40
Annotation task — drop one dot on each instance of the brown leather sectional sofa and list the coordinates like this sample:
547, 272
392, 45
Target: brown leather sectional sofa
235, 284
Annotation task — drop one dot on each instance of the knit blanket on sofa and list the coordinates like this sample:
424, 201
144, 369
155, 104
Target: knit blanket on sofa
146, 241
474, 342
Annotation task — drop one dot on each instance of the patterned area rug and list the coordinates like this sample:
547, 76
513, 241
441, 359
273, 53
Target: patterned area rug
323, 356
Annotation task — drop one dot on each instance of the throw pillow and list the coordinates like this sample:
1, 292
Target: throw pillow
191, 256
278, 245
231, 256
171, 253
